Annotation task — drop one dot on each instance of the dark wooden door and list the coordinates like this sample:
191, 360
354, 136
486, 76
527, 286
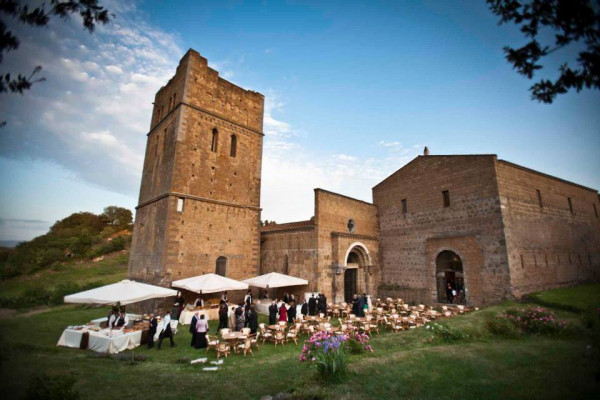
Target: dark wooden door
350, 283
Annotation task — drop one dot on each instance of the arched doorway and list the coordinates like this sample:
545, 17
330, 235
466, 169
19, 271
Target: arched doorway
356, 259
449, 270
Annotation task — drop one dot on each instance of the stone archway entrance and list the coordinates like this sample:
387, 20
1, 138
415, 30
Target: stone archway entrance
449, 270
355, 261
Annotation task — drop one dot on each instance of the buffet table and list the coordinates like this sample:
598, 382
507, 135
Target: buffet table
101, 341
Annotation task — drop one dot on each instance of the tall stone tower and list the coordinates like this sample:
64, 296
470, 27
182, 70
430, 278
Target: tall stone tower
199, 206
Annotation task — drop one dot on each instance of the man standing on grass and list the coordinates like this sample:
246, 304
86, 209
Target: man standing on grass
166, 330
193, 329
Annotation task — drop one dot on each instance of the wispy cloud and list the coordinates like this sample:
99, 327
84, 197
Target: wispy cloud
291, 172
93, 111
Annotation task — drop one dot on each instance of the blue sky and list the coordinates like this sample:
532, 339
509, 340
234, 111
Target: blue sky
354, 90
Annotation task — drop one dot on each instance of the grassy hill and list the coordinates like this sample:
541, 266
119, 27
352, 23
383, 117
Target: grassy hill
48, 285
482, 365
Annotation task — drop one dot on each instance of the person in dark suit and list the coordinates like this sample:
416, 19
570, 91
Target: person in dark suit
193, 329
152, 331
292, 312
312, 305
222, 316
360, 306
304, 308
322, 303
273, 313
253, 320
166, 331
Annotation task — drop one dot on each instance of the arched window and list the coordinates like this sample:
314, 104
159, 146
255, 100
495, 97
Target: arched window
221, 268
215, 140
233, 149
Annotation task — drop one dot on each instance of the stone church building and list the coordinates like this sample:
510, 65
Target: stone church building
489, 228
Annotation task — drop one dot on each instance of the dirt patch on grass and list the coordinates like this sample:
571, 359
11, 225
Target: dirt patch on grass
7, 313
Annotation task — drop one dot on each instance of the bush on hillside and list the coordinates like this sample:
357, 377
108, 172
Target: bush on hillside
40, 296
445, 333
117, 244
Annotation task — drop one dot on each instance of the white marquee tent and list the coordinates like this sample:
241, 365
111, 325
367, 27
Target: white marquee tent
124, 292
275, 280
209, 283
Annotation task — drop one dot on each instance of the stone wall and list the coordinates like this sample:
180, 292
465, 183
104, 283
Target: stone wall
335, 239
471, 226
290, 251
548, 244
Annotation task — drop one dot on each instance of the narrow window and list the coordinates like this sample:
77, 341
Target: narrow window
404, 206
446, 195
589, 258
180, 201
221, 267
570, 204
546, 259
174, 99
579, 256
539, 194
233, 149
522, 263
570, 260
534, 260
595, 210
215, 140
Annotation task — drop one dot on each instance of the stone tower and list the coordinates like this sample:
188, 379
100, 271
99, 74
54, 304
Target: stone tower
199, 205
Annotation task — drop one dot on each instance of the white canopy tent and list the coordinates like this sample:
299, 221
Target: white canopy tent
209, 283
275, 280
124, 292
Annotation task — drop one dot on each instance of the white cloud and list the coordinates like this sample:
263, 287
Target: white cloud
291, 172
95, 106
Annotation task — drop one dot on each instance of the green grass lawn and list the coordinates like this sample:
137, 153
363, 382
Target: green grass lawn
112, 269
403, 365
579, 298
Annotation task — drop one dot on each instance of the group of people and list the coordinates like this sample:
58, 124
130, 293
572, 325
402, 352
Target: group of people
236, 318
165, 330
285, 310
117, 318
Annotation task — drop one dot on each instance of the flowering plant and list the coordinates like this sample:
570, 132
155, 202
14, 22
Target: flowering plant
535, 320
328, 352
358, 343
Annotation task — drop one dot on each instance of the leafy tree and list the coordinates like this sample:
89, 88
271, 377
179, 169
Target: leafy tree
574, 23
117, 216
77, 224
89, 10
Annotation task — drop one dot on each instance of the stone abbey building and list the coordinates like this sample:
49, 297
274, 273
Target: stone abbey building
490, 228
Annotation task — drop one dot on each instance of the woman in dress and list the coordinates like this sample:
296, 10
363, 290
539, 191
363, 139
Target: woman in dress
283, 313
201, 329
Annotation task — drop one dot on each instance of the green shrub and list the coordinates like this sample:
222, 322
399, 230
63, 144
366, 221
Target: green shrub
501, 326
445, 332
46, 387
117, 244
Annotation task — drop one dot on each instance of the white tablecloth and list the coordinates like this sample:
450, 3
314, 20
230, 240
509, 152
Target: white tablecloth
131, 318
185, 318
100, 341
